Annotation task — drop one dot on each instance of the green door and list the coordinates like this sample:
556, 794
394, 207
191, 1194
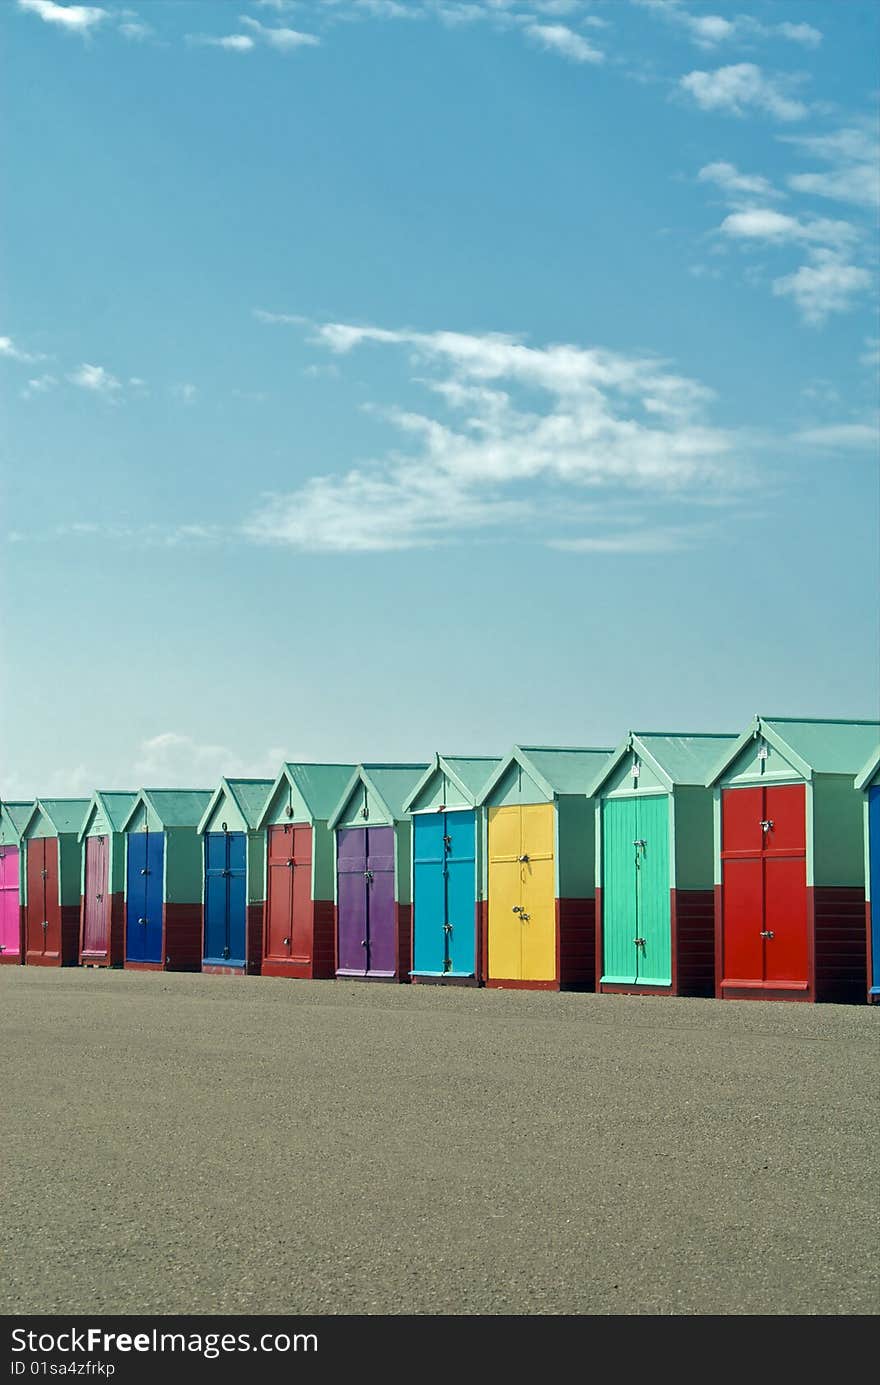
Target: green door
619, 888
654, 948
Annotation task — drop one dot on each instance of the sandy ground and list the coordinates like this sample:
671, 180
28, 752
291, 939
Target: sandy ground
175, 1144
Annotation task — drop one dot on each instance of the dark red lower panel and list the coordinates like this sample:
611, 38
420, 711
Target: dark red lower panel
498, 985
182, 932
322, 964
576, 944
115, 954
254, 939
840, 948
404, 942
693, 942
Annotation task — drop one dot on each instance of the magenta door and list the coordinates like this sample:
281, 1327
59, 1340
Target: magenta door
96, 905
10, 916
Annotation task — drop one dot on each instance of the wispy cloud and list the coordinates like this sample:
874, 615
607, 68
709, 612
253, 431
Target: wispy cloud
828, 284
95, 379
285, 40
520, 431
136, 30
649, 539
233, 43
40, 384
173, 759
558, 38
736, 185
854, 156
74, 18
743, 87
11, 352
767, 224
835, 436
711, 30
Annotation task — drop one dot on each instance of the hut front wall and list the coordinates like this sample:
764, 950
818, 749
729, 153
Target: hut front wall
516, 785
750, 767
692, 839
403, 862
362, 810
623, 781
575, 847
323, 862
184, 866
226, 810
70, 855
440, 791
287, 795
256, 867
838, 855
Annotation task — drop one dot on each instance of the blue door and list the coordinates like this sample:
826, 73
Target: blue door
444, 894
145, 896
225, 898
874, 867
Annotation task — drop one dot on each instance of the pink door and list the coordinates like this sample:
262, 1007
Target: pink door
10, 916
96, 905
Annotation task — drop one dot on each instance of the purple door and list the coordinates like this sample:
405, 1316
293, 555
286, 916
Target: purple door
366, 931
351, 901
381, 922
96, 905
10, 915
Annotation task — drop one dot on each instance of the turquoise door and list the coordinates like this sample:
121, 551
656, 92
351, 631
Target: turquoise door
460, 926
444, 894
619, 891
874, 863
654, 948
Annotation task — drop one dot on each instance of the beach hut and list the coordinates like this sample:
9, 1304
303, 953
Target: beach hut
52, 874
447, 847
13, 817
790, 861
298, 927
868, 784
655, 906
373, 889
233, 883
163, 880
541, 868
102, 891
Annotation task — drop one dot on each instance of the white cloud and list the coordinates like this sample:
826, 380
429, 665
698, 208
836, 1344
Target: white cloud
75, 18
39, 385
285, 40
96, 379
233, 43
800, 33
741, 87
841, 435
11, 352
854, 175
649, 540
709, 30
135, 30
175, 760
524, 429
765, 223
558, 38
826, 285
735, 184
287, 318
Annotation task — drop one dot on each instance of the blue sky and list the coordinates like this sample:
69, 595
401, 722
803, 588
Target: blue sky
382, 377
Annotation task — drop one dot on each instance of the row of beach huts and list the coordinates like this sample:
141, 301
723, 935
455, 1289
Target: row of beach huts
740, 866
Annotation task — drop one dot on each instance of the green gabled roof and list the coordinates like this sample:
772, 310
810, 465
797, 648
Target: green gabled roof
677, 757
468, 772
869, 769
65, 814
249, 795
320, 786
173, 807
391, 784
812, 745
555, 769
18, 813
116, 806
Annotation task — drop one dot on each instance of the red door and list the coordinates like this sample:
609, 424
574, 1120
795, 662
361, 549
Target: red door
289, 894
96, 906
43, 912
764, 886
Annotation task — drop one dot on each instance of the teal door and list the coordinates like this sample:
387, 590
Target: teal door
636, 926
654, 948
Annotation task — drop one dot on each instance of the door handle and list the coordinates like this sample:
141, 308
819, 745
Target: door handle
516, 909
368, 875
285, 942
226, 872
44, 874
99, 897
641, 842
447, 928
142, 920
291, 863
523, 916
144, 871
639, 942
45, 923
522, 858
766, 932
447, 842
363, 942
766, 824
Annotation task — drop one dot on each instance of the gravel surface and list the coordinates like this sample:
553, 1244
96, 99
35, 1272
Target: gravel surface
176, 1144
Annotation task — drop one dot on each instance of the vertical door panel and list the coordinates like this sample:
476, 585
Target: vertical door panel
505, 894
381, 914
741, 814
35, 913
461, 893
742, 919
136, 897
96, 905
216, 897
155, 896
785, 807
538, 893
619, 890
785, 916
351, 899
429, 893
279, 891
53, 898
301, 870
874, 872
10, 917
654, 953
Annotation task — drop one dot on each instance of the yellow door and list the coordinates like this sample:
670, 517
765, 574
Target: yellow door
538, 893
505, 894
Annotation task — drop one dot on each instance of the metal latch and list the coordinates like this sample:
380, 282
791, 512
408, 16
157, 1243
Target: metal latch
447, 928
447, 842
368, 875
45, 923
285, 942
144, 870
766, 824
639, 942
641, 842
516, 908
523, 858
766, 932
44, 874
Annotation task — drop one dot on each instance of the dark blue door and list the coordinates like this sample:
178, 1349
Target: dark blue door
145, 896
225, 898
444, 894
874, 868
